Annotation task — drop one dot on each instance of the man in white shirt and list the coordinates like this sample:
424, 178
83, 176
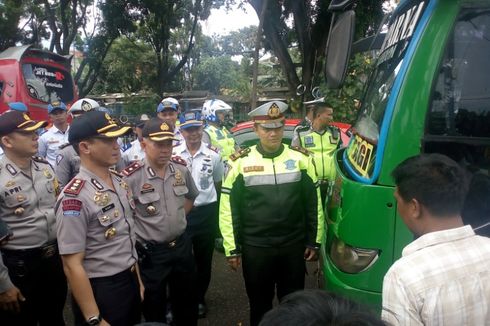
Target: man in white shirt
57, 135
135, 152
443, 277
206, 168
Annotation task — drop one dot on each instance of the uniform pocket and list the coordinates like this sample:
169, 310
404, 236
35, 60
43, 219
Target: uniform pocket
148, 204
181, 190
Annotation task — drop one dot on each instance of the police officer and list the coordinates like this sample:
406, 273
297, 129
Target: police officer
96, 229
16, 106
67, 161
305, 123
164, 192
135, 152
206, 167
32, 283
215, 133
321, 139
168, 111
57, 135
271, 217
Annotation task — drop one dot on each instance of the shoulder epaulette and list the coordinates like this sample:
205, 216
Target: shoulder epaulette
240, 153
39, 159
74, 187
300, 149
178, 160
301, 128
213, 148
120, 175
132, 168
64, 145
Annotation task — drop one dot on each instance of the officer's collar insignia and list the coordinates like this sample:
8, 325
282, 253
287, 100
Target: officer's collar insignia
124, 185
290, 164
254, 168
86, 106
59, 158
171, 167
164, 127
151, 172
74, 187
274, 111
11, 169
97, 184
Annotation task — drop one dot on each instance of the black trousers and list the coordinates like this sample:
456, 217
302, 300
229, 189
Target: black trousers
172, 265
267, 270
117, 297
39, 276
202, 228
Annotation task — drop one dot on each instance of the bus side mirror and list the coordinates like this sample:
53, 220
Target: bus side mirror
338, 49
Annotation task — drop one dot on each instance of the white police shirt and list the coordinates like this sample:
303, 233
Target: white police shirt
134, 153
50, 142
206, 169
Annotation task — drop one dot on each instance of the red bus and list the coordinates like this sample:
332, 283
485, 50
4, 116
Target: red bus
35, 77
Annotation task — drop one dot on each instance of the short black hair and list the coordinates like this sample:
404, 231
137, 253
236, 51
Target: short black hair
435, 181
319, 308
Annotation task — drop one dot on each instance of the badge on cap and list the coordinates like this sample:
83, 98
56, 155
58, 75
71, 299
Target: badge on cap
274, 111
164, 127
86, 106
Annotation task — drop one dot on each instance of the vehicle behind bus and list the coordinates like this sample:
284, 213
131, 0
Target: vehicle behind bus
35, 77
429, 92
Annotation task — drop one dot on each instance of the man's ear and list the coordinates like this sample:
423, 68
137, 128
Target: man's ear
415, 209
6, 141
83, 147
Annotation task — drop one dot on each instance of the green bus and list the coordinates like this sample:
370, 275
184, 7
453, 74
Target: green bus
429, 92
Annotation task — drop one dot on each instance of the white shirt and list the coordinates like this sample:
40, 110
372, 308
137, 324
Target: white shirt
134, 153
50, 142
443, 278
206, 169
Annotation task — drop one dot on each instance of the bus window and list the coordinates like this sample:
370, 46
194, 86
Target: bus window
1, 88
458, 123
47, 83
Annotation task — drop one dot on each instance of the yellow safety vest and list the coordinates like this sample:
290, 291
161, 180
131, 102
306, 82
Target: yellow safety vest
222, 139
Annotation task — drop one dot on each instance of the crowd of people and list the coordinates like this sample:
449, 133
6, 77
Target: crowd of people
132, 233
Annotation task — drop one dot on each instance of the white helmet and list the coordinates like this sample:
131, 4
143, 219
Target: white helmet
210, 107
84, 105
168, 103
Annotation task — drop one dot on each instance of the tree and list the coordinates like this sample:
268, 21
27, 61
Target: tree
217, 73
10, 14
311, 21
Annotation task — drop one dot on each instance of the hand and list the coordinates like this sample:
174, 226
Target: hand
311, 254
142, 292
10, 300
104, 323
234, 262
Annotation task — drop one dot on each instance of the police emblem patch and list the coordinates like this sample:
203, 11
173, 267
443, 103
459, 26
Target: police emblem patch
71, 207
309, 141
290, 164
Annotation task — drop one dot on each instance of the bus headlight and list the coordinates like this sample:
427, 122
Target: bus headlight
350, 259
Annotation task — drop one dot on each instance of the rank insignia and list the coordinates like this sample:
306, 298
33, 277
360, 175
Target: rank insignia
11, 169
290, 164
74, 187
132, 168
110, 233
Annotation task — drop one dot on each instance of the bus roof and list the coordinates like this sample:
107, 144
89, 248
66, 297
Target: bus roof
17, 52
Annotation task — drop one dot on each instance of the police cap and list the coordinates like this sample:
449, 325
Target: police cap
157, 130
95, 124
11, 121
270, 114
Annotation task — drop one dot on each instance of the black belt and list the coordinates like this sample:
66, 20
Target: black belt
47, 250
159, 245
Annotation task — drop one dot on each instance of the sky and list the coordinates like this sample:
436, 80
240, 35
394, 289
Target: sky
222, 22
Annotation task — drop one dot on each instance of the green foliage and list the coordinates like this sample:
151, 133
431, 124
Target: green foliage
216, 73
134, 106
345, 101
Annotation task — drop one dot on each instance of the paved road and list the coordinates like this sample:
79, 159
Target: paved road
226, 297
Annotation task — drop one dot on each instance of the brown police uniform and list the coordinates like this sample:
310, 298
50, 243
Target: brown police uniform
165, 252
30, 259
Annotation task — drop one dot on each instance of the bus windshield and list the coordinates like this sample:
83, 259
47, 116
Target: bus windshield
362, 150
48, 83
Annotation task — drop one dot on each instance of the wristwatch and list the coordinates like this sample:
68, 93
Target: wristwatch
94, 321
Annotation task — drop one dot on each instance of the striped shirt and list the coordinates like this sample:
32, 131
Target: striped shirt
443, 278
